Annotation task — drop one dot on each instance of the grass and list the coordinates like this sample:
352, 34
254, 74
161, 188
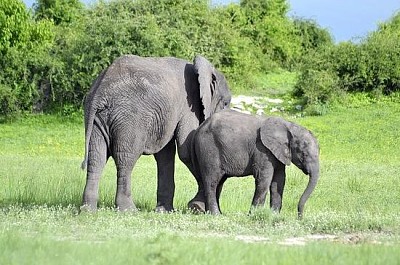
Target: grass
352, 217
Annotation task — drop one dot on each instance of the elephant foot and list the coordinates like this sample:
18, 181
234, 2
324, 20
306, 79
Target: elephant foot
197, 206
163, 209
86, 208
125, 204
129, 209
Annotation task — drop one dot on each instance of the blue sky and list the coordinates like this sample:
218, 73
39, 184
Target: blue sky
345, 19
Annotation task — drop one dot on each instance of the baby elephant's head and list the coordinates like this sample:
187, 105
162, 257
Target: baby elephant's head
290, 142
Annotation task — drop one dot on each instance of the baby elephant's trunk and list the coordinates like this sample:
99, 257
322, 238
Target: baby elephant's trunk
314, 175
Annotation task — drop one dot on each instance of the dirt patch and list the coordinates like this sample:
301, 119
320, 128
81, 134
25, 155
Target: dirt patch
252, 239
358, 239
292, 241
302, 241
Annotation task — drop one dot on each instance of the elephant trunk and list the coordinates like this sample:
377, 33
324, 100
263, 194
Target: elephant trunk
314, 176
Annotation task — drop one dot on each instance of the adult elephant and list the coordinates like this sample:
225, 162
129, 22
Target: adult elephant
141, 106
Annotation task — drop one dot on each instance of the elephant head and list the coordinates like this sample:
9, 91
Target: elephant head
290, 142
214, 91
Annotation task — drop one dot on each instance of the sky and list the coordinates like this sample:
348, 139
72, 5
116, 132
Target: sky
345, 19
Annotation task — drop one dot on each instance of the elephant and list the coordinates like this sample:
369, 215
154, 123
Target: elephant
151, 106
232, 143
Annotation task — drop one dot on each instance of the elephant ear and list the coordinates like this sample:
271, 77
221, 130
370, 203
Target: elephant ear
275, 136
207, 81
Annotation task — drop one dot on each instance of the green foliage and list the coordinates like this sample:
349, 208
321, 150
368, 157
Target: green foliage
371, 66
50, 58
383, 48
318, 83
321, 88
266, 23
8, 102
311, 35
59, 11
23, 49
240, 57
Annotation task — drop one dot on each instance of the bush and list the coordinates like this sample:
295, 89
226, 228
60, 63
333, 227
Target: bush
318, 83
382, 61
23, 50
311, 35
8, 102
372, 66
318, 88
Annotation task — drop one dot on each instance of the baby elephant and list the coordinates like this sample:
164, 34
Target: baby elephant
231, 144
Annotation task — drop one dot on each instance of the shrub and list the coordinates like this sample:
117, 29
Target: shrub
382, 62
371, 66
8, 102
318, 83
23, 50
312, 36
318, 88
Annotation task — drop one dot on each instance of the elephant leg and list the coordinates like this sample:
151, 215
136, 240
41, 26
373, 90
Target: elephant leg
125, 162
165, 177
198, 203
262, 182
219, 190
210, 190
126, 151
277, 187
97, 158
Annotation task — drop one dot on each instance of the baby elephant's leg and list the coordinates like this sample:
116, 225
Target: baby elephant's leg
277, 187
210, 189
263, 180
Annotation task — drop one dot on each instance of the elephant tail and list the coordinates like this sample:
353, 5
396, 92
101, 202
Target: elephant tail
89, 122
312, 182
91, 107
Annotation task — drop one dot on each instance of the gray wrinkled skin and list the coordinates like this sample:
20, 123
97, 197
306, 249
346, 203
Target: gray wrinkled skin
235, 144
147, 106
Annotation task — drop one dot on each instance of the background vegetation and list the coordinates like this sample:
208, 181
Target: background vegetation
50, 54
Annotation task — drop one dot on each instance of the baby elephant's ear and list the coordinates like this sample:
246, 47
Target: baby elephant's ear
275, 136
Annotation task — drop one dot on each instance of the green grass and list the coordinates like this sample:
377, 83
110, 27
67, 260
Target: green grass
355, 207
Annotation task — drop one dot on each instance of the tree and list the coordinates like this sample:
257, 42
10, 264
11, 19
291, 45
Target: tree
383, 57
312, 36
60, 11
23, 55
267, 24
